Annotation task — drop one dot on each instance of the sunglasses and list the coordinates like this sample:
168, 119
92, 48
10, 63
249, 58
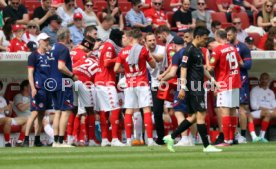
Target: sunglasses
89, 5
139, 6
156, 3
71, 5
236, 23
200, 4
32, 27
15, 3
269, 6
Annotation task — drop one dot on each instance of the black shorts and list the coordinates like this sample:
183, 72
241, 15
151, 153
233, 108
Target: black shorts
195, 103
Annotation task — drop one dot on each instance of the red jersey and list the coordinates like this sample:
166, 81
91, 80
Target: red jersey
77, 54
86, 69
157, 17
106, 75
261, 44
225, 59
17, 46
136, 75
170, 52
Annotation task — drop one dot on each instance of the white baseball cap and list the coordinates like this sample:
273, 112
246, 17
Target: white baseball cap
42, 36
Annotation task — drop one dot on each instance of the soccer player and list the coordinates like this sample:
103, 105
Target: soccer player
192, 78
105, 82
245, 54
61, 86
137, 94
38, 73
262, 101
226, 62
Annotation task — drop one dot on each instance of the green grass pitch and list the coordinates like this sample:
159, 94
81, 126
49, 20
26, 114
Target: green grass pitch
251, 156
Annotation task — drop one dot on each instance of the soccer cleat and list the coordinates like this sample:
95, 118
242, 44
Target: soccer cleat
65, 145
55, 144
128, 143
152, 143
224, 144
263, 140
241, 139
183, 143
25, 144
211, 149
8, 145
256, 139
105, 143
169, 142
117, 143
92, 143
81, 144
136, 143
19, 144
38, 144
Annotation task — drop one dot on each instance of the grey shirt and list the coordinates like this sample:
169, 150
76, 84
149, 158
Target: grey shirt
20, 99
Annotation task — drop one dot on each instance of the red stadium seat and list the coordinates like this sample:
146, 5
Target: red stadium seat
166, 5
100, 5
80, 4
221, 17
211, 5
256, 37
255, 15
125, 6
12, 89
31, 5
273, 86
100, 16
244, 19
170, 20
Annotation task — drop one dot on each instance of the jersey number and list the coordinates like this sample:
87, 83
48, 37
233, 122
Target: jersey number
89, 66
232, 60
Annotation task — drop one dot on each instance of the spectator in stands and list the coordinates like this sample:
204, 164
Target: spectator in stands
202, 17
175, 5
267, 41
16, 11
225, 6
265, 15
76, 31
17, 44
113, 9
145, 4
105, 28
136, 18
3, 41
52, 28
29, 37
3, 3
155, 15
183, 17
89, 16
258, 3
7, 28
247, 7
241, 34
249, 42
43, 13
66, 12
215, 25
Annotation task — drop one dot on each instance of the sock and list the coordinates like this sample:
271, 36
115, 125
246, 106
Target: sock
264, 127
26, 138
174, 122
91, 127
115, 122
148, 123
167, 127
234, 122
243, 133
137, 125
128, 125
21, 136
49, 131
76, 127
104, 124
202, 130
60, 139
226, 120
184, 125
37, 139
221, 136
82, 133
56, 138
251, 129
70, 124
7, 138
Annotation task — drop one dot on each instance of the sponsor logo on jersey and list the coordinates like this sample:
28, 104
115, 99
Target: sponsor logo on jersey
185, 59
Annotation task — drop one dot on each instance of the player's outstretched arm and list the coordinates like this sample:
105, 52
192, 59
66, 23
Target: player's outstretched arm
170, 74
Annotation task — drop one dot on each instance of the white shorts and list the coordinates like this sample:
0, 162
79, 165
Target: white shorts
256, 114
106, 98
83, 97
121, 98
229, 98
168, 104
138, 97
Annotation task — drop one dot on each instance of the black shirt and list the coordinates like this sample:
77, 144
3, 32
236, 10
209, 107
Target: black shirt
9, 12
193, 61
39, 13
117, 16
183, 17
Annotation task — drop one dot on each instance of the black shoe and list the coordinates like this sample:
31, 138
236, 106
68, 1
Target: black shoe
8, 145
160, 142
235, 142
25, 144
38, 144
219, 141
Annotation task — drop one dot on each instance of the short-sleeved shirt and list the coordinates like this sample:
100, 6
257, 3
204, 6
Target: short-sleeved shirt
86, 69
193, 61
133, 18
177, 60
10, 12
157, 17
106, 75
20, 99
76, 34
39, 13
66, 18
53, 34
117, 16
17, 45
183, 17
225, 3
136, 75
77, 54
40, 64
103, 34
3, 104
225, 59
59, 53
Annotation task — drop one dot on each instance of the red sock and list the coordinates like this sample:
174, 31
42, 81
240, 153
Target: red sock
90, 124
82, 135
167, 127
115, 122
128, 125
226, 120
7, 137
234, 122
104, 124
265, 125
251, 127
148, 123
76, 127
174, 122
21, 136
120, 128
70, 124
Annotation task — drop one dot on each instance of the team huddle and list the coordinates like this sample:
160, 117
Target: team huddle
122, 77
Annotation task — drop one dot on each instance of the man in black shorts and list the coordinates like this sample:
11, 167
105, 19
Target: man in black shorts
192, 78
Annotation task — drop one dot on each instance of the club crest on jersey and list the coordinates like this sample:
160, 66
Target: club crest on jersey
202, 104
41, 105
212, 60
172, 53
185, 59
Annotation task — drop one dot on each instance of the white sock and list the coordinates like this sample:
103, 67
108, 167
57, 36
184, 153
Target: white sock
137, 125
105, 140
49, 131
184, 138
150, 140
262, 134
253, 135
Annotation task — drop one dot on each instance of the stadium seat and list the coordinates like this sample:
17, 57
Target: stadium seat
125, 6
256, 38
166, 5
31, 5
244, 18
170, 20
80, 4
211, 5
12, 89
100, 16
273, 86
221, 17
255, 15
100, 5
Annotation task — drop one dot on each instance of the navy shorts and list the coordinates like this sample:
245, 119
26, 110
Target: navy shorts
42, 101
195, 103
178, 104
63, 100
244, 92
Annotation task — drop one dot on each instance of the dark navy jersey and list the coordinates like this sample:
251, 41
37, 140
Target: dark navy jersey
41, 66
245, 54
59, 53
177, 60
